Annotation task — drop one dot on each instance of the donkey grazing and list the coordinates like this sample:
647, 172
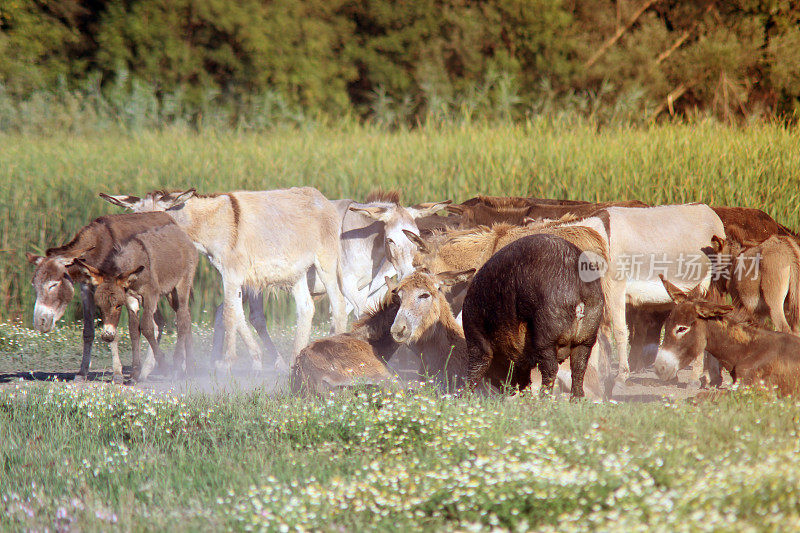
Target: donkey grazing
151, 264
56, 273
751, 354
349, 358
528, 307
259, 240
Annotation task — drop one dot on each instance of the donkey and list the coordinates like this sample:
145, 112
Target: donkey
644, 242
149, 265
375, 244
487, 210
463, 249
56, 273
528, 307
425, 323
750, 353
349, 358
765, 280
259, 240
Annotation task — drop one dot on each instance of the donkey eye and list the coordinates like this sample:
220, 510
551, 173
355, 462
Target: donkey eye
52, 285
680, 330
424, 295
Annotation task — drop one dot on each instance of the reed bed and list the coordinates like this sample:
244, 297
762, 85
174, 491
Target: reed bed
49, 184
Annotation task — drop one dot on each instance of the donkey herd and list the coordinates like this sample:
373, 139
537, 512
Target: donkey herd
495, 293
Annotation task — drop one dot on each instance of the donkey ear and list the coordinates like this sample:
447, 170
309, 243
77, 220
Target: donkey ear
427, 208
181, 198
33, 258
455, 209
712, 310
122, 200
696, 293
125, 280
375, 212
450, 278
717, 244
674, 292
421, 245
95, 276
391, 284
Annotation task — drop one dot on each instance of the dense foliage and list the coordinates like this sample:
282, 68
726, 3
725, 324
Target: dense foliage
254, 62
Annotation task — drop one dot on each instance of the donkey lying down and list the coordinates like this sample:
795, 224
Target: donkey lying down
156, 263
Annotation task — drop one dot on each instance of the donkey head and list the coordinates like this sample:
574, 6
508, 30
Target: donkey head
422, 303
685, 334
111, 295
398, 223
54, 289
153, 201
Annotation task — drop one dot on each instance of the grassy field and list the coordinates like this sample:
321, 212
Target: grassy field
100, 458
49, 185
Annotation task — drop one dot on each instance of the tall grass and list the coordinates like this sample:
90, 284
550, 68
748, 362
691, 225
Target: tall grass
49, 184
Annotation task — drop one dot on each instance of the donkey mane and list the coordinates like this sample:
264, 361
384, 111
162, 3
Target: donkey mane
380, 195
376, 321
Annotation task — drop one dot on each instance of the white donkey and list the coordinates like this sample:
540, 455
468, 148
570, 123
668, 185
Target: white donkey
645, 242
259, 240
374, 244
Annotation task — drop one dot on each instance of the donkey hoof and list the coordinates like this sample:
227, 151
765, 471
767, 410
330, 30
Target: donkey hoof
118, 379
79, 378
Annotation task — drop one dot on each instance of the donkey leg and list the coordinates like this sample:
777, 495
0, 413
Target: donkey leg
255, 302
328, 274
116, 364
184, 326
149, 330
305, 314
620, 327
775, 291
133, 326
548, 366
87, 304
578, 361
218, 340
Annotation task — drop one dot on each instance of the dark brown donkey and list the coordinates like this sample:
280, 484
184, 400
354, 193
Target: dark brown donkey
528, 307
488, 210
750, 353
149, 265
55, 273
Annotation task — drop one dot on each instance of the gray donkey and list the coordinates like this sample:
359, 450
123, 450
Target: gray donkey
156, 263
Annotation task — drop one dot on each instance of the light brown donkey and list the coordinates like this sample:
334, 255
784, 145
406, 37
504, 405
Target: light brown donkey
349, 358
259, 240
765, 279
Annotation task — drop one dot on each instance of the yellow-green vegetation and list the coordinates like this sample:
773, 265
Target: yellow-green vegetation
97, 458
49, 185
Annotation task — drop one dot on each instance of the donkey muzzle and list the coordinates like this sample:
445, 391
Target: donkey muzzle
108, 333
